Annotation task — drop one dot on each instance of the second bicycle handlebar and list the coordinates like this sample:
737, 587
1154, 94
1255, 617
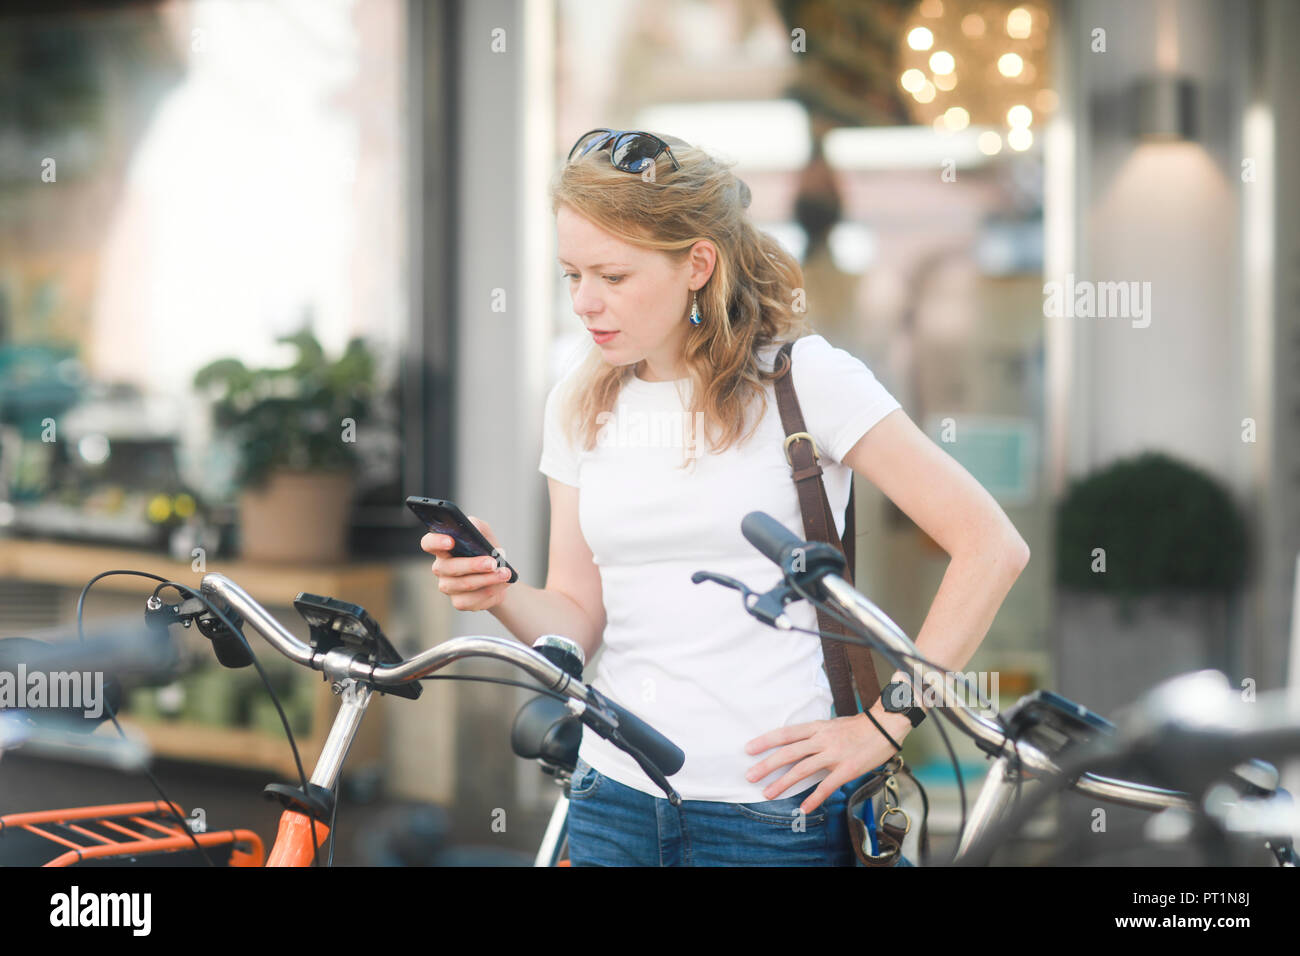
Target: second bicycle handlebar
784, 548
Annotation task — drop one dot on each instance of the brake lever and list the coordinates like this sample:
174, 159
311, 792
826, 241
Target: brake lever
160, 615
701, 576
230, 647
606, 725
768, 608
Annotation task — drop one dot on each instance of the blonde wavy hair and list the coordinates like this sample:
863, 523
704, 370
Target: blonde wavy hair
747, 304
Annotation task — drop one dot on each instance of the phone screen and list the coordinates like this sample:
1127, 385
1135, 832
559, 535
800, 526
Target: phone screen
440, 523
442, 520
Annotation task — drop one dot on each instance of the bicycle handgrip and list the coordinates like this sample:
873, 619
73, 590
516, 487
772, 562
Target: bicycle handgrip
773, 539
665, 754
120, 649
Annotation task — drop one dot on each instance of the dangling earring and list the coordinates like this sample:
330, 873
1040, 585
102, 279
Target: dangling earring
696, 318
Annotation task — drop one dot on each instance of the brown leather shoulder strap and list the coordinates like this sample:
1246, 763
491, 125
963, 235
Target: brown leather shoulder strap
846, 664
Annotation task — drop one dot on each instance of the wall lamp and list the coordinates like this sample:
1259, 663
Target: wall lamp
1164, 108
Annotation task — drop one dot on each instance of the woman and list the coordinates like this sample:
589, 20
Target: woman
654, 449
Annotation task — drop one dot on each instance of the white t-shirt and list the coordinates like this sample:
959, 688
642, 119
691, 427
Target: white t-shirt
687, 658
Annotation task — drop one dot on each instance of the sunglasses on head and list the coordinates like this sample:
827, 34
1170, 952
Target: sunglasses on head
629, 150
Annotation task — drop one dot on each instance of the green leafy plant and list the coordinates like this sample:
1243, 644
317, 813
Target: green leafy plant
293, 417
1164, 526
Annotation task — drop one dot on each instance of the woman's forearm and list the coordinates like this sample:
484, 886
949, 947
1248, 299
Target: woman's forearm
969, 596
529, 612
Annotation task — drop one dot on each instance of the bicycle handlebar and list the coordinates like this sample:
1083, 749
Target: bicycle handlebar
778, 544
1177, 725
844, 597
598, 712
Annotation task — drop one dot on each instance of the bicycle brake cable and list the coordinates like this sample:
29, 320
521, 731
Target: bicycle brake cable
334, 812
499, 680
112, 714
266, 681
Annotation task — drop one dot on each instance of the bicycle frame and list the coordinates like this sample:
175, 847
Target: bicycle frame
555, 840
293, 840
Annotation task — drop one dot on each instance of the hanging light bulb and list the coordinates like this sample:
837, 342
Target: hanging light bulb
1010, 64
1019, 23
989, 143
1020, 139
1020, 115
920, 38
912, 80
1000, 50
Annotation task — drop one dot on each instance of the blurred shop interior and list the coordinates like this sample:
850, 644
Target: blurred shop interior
225, 226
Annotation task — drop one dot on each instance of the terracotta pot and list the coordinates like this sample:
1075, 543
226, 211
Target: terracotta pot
298, 516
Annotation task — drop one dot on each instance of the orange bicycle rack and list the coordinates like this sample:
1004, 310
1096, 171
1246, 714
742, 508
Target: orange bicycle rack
120, 833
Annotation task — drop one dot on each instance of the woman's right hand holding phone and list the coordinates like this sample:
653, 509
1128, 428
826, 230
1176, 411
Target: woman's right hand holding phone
473, 584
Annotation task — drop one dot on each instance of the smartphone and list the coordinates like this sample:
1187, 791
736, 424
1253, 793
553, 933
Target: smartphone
443, 517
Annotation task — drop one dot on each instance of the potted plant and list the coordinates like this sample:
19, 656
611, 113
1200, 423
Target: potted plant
296, 428
1150, 553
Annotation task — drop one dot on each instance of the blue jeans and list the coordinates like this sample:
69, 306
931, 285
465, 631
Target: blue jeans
615, 825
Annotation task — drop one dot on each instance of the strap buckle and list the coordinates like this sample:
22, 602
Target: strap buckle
795, 436
893, 797
907, 819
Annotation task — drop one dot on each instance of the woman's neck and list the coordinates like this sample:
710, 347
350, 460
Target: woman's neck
649, 371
